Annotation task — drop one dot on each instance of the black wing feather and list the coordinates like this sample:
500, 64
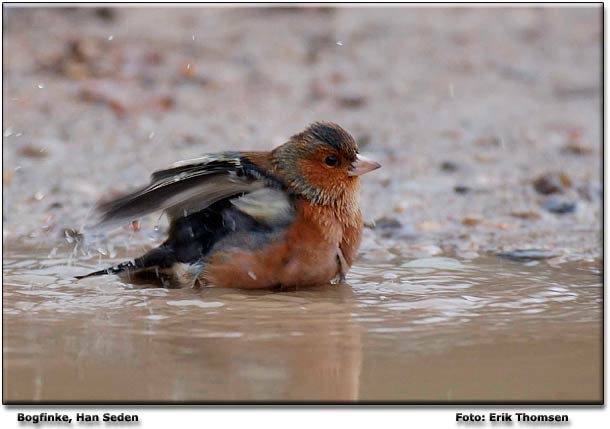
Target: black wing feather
190, 186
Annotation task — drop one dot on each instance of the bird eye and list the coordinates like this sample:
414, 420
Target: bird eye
331, 160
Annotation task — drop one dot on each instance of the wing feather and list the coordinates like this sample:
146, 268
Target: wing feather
190, 186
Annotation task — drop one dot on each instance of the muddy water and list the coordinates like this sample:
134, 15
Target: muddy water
431, 329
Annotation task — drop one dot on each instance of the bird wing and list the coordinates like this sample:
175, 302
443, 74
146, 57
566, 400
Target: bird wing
190, 186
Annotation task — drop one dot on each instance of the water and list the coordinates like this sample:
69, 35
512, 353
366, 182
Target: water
433, 329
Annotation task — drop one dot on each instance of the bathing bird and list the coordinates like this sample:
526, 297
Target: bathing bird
284, 218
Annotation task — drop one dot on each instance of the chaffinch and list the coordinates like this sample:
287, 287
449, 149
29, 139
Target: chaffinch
285, 218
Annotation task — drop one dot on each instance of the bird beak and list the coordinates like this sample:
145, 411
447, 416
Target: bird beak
362, 166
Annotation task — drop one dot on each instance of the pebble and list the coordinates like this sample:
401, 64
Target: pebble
471, 221
530, 215
525, 255
551, 183
577, 149
460, 189
32, 151
449, 166
560, 207
352, 101
386, 222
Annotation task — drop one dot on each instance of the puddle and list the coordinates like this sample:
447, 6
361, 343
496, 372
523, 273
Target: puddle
430, 329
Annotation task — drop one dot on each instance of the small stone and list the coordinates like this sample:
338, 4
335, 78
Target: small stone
387, 223
577, 149
552, 183
105, 13
461, 189
369, 224
449, 166
352, 101
529, 215
526, 255
32, 151
471, 221
560, 207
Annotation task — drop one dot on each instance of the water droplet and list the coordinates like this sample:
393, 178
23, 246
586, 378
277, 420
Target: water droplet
151, 135
38, 196
193, 37
40, 85
340, 43
7, 132
110, 37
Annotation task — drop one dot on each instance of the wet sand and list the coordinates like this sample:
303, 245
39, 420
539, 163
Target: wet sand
487, 123
465, 109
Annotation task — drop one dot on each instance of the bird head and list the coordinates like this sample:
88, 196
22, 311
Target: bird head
322, 163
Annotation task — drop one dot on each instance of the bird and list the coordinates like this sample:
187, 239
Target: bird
284, 218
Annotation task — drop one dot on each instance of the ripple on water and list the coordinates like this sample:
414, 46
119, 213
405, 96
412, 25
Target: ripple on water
196, 303
394, 299
436, 263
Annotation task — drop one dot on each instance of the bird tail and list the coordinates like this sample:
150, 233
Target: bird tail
158, 258
116, 269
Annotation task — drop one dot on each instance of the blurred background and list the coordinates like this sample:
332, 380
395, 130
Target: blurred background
486, 120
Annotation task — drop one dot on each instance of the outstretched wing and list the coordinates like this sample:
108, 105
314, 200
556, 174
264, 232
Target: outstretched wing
190, 186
